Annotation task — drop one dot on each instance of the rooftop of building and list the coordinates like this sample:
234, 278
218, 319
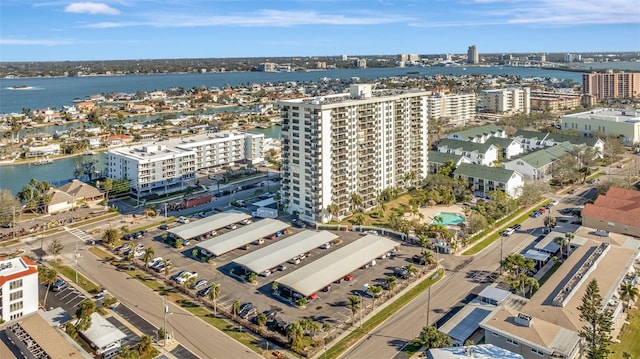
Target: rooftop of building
79, 189
556, 137
466, 146
499, 141
443, 157
471, 133
347, 98
545, 156
495, 174
618, 205
607, 114
482, 351
14, 268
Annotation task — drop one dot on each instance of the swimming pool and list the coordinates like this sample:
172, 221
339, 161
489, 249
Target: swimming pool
450, 218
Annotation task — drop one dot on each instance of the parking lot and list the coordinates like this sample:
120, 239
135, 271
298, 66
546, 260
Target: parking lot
326, 306
68, 298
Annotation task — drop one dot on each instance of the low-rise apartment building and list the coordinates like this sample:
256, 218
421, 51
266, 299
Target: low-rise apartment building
479, 134
533, 140
479, 153
618, 211
536, 165
18, 288
554, 101
172, 163
454, 109
484, 179
609, 121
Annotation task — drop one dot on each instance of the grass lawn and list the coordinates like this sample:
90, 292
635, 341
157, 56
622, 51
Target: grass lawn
336, 350
94, 219
70, 273
399, 205
629, 338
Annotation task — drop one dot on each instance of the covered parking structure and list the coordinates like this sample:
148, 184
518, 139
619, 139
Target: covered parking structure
242, 236
206, 225
320, 273
281, 251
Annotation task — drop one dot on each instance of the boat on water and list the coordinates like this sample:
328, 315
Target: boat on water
43, 161
20, 87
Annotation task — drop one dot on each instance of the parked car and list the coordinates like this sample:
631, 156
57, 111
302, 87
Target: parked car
327, 288
516, 227
200, 284
401, 273
184, 276
59, 285
154, 262
326, 245
183, 220
294, 260
246, 221
572, 191
536, 214
554, 203
541, 210
204, 291
348, 277
232, 226
282, 267
266, 273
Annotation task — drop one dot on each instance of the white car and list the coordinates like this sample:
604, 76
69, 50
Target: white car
326, 246
154, 262
183, 220
554, 203
184, 276
266, 273
509, 231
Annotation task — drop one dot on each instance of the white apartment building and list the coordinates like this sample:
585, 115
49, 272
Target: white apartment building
174, 162
350, 146
509, 100
18, 288
457, 109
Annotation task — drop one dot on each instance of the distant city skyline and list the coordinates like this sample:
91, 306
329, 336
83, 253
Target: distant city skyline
149, 29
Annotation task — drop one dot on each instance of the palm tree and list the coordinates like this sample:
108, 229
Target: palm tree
628, 293
438, 219
148, 254
145, 346
427, 257
570, 236
295, 333
334, 210
167, 267
189, 282
214, 295
274, 287
561, 242
261, 320
85, 309
356, 201
47, 276
354, 304
391, 282
411, 269
533, 285
235, 308
375, 291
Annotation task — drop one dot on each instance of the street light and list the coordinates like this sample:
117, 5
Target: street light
166, 311
362, 308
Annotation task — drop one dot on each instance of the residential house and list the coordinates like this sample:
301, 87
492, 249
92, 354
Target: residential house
117, 140
483, 179
537, 165
86, 106
478, 134
508, 146
94, 142
618, 211
480, 153
60, 201
43, 150
438, 159
81, 191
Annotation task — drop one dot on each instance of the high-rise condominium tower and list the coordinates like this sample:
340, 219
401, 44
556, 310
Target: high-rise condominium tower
340, 151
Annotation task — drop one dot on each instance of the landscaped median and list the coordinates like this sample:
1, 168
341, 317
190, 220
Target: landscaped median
70, 274
358, 333
493, 233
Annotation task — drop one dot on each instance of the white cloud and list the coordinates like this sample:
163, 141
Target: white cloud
91, 8
40, 42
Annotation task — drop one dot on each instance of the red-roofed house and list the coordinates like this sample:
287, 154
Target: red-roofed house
618, 211
18, 287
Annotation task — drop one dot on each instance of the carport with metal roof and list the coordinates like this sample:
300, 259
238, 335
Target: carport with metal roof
320, 273
242, 236
281, 251
207, 224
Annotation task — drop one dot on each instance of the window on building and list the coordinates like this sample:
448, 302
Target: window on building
537, 351
512, 342
15, 284
15, 306
15, 316
15, 295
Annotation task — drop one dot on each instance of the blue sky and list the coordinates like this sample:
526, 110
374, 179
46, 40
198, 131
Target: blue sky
145, 29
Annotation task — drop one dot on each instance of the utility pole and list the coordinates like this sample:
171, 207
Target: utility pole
428, 304
501, 237
165, 211
76, 257
166, 311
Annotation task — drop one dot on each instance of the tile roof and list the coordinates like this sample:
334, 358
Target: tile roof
19, 267
619, 205
466, 146
495, 174
474, 132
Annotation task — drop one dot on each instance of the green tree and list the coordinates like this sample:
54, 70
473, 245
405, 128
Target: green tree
561, 242
107, 186
110, 236
148, 254
334, 211
85, 309
628, 293
48, 277
214, 295
302, 302
356, 202
391, 282
55, 248
427, 257
145, 346
261, 320
533, 192
295, 334
9, 206
433, 338
599, 322
275, 287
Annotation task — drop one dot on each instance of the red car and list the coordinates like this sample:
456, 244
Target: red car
541, 210
313, 296
348, 277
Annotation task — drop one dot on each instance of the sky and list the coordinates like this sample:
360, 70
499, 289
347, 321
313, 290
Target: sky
52, 30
